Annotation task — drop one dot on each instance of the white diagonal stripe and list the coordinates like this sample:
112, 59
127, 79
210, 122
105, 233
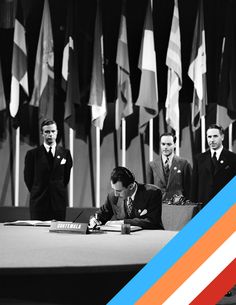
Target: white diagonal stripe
205, 274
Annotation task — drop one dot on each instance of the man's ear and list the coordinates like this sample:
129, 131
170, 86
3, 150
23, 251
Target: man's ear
131, 186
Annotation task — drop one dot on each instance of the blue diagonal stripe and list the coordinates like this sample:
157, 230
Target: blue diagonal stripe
177, 247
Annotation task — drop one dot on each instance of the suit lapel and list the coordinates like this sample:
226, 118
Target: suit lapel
222, 160
58, 157
138, 199
159, 169
43, 156
174, 166
207, 163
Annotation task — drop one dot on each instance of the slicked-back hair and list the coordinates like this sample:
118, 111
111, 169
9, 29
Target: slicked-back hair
123, 175
166, 134
47, 122
215, 126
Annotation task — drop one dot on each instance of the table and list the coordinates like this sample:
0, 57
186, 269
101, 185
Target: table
36, 265
175, 217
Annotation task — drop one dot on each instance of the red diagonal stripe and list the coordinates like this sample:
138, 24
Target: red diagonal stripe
216, 290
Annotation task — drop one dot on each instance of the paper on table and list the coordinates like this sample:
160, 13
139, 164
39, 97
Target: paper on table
39, 223
115, 225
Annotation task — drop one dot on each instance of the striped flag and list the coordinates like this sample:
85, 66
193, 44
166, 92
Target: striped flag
2, 93
148, 94
43, 93
174, 82
124, 106
197, 70
19, 62
97, 98
70, 72
226, 108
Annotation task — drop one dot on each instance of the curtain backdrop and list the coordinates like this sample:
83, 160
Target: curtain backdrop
84, 142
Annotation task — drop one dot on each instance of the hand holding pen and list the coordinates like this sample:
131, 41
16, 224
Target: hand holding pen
94, 222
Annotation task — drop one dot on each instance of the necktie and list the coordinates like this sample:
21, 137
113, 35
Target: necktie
129, 205
50, 156
214, 160
167, 168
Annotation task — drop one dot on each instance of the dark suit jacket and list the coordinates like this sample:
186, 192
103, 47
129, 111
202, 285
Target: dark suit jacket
179, 180
206, 183
48, 187
146, 199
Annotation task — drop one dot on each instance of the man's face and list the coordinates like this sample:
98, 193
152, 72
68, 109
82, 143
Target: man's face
120, 190
167, 145
49, 134
214, 138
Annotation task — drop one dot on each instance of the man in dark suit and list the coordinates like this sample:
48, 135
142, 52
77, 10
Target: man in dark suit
47, 173
169, 172
213, 169
130, 202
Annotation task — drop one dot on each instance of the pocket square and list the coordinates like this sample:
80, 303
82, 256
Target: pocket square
143, 212
63, 161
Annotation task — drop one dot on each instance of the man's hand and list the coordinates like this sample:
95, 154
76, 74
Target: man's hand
94, 222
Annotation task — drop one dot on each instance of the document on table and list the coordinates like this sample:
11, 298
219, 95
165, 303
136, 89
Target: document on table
115, 226
37, 223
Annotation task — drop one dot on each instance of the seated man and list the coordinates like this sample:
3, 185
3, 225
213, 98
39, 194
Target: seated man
130, 202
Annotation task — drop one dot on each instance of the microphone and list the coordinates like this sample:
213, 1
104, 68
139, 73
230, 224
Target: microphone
78, 216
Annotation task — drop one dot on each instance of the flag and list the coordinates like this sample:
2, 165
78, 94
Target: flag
70, 72
124, 106
97, 99
7, 13
148, 95
19, 63
226, 106
2, 94
174, 81
197, 70
43, 92
3, 118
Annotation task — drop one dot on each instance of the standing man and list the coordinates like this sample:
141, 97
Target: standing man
47, 173
169, 172
213, 169
130, 202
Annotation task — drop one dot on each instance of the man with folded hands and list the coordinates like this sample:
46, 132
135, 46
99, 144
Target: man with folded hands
130, 202
47, 173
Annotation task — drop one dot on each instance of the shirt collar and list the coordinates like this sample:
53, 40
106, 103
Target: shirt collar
48, 146
218, 152
170, 157
135, 191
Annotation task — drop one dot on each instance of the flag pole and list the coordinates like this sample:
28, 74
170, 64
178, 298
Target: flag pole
177, 143
151, 124
230, 136
71, 183
123, 125
151, 140
97, 167
203, 132
17, 167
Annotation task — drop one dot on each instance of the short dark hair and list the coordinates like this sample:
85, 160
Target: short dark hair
165, 134
123, 175
47, 122
215, 126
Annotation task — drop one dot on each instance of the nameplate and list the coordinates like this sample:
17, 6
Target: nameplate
68, 227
